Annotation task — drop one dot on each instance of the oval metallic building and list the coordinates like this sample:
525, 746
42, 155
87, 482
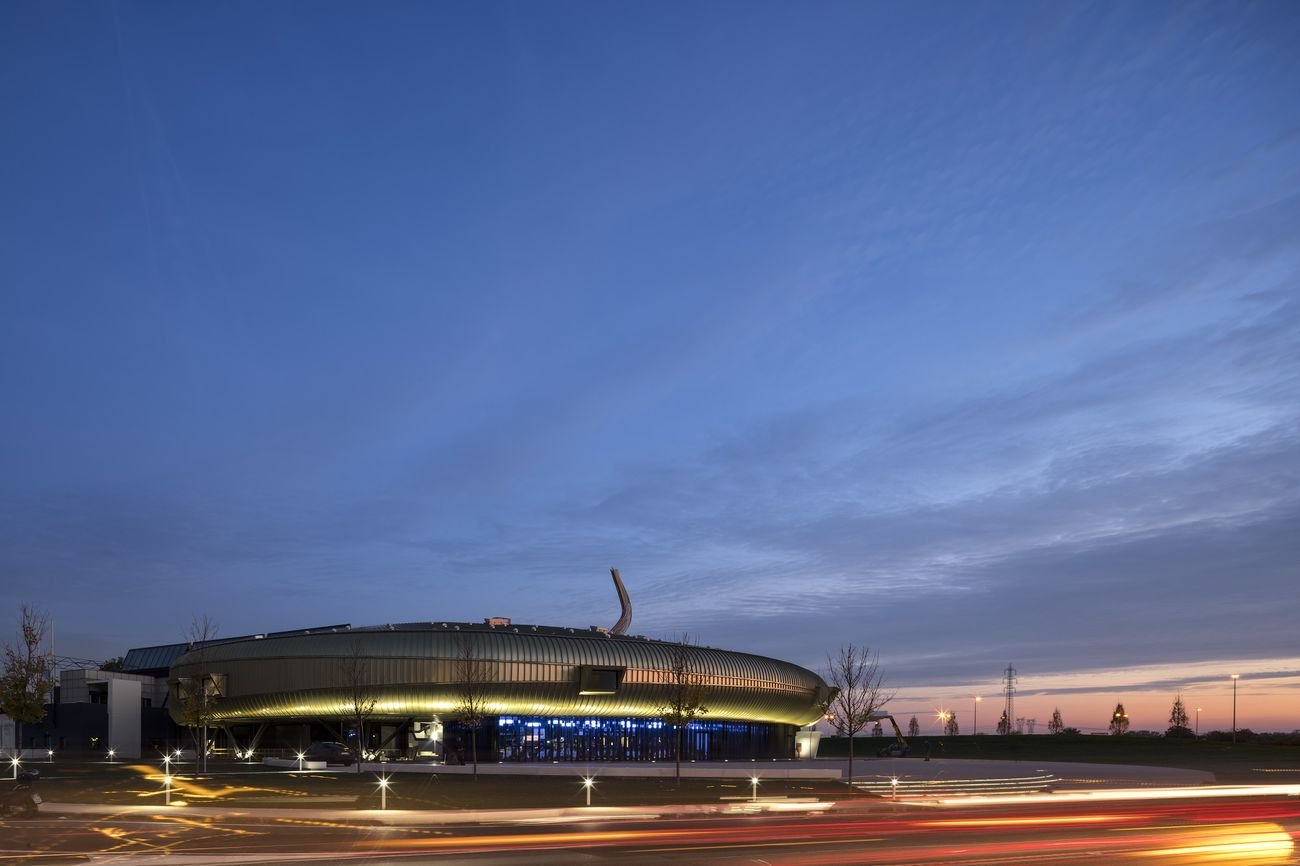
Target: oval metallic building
548, 693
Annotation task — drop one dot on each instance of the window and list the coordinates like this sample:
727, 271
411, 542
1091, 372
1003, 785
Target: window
599, 681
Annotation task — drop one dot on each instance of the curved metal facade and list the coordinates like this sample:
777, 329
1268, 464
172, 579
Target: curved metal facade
534, 671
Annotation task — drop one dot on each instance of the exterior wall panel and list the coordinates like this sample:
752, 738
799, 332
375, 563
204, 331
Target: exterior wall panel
413, 671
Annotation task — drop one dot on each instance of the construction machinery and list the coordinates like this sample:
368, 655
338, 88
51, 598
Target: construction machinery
897, 749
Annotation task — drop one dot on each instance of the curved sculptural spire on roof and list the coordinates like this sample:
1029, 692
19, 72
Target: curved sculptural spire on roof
625, 619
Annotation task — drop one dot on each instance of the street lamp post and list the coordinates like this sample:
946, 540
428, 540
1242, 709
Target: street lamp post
1234, 708
1198, 721
975, 726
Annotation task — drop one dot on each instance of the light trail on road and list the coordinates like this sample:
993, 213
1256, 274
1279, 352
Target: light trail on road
1259, 829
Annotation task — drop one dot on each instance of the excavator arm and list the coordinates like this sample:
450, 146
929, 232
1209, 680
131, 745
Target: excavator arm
900, 747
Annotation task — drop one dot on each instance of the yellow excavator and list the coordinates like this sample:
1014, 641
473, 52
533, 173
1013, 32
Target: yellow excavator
897, 749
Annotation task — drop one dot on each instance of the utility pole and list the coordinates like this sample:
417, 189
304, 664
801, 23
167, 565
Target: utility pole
1235, 677
1009, 680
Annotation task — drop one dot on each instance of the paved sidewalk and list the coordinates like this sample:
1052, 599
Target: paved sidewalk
418, 817
634, 769
1069, 775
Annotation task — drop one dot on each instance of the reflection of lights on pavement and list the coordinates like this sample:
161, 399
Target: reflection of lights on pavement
194, 789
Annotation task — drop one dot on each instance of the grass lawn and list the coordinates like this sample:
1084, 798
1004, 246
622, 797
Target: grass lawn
242, 786
1240, 763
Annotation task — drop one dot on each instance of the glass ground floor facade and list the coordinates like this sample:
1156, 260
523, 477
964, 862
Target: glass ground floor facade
524, 739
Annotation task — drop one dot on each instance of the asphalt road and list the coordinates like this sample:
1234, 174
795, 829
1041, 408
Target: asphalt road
1244, 831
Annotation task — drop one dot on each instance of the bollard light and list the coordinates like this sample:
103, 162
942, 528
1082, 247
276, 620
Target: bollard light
383, 793
893, 783
753, 784
300, 757
112, 753
588, 782
15, 761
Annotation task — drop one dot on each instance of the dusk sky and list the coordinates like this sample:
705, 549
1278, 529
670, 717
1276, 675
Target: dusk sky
969, 332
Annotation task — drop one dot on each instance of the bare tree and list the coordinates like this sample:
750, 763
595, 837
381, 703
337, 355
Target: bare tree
199, 694
914, 728
471, 690
857, 692
28, 675
1057, 724
950, 728
687, 692
361, 693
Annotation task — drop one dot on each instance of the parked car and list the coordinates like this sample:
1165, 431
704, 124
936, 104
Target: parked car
330, 753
